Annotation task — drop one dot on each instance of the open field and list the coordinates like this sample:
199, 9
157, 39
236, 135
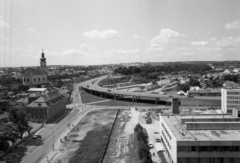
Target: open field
87, 140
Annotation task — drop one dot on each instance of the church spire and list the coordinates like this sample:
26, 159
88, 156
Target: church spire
42, 53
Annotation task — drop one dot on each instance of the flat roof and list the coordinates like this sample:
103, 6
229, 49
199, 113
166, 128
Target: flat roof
179, 130
37, 89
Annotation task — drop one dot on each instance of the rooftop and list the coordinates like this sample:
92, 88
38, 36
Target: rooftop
37, 89
178, 125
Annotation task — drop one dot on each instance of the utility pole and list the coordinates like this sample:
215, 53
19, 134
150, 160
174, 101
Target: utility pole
53, 137
69, 120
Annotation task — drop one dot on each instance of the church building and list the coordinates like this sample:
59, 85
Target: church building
36, 76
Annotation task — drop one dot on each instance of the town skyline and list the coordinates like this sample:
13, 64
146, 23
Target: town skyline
94, 33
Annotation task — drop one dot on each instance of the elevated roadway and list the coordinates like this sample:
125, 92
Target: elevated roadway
92, 87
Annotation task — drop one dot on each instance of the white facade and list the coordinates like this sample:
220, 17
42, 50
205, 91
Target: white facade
198, 146
35, 79
230, 99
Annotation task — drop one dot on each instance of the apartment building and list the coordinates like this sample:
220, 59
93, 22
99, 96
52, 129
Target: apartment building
201, 138
230, 98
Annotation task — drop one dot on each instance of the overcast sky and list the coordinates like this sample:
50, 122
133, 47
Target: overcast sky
83, 32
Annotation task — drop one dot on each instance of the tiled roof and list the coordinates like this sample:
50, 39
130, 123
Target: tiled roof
33, 71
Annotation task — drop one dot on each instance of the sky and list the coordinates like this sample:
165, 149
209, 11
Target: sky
93, 32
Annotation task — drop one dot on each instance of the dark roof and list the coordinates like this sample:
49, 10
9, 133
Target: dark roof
34, 71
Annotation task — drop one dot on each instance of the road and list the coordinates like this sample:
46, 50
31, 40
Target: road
185, 100
50, 134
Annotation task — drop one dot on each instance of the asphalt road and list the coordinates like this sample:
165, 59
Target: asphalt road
50, 134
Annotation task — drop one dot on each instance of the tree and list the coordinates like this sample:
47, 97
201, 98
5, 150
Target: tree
8, 134
19, 119
184, 87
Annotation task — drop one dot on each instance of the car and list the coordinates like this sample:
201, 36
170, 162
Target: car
157, 140
191, 96
156, 132
37, 136
170, 96
150, 145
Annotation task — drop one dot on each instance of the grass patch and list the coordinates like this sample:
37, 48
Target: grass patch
92, 146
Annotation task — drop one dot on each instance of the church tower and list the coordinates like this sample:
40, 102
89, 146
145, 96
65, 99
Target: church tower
43, 63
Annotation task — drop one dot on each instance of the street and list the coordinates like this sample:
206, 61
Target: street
51, 133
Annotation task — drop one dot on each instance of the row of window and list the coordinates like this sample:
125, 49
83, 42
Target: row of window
233, 97
164, 136
233, 106
233, 102
233, 93
166, 131
208, 148
27, 79
208, 160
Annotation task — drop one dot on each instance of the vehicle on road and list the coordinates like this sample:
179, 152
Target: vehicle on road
36, 136
150, 144
156, 132
157, 140
191, 96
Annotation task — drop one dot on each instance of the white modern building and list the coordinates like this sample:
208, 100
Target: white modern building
230, 98
201, 138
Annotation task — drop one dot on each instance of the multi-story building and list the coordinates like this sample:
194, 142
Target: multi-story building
201, 138
230, 98
47, 107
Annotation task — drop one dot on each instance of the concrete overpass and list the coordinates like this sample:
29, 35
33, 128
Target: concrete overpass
92, 87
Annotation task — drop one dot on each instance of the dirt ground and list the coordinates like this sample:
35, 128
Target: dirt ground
123, 146
89, 134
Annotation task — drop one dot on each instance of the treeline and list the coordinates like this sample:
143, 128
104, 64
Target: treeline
154, 71
143, 149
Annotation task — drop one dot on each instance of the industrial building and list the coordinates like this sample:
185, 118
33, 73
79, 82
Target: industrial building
201, 138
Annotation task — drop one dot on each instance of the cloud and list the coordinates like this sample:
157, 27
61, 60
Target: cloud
31, 29
136, 37
228, 42
154, 49
199, 43
3, 24
123, 52
73, 52
104, 35
213, 39
233, 25
84, 47
166, 36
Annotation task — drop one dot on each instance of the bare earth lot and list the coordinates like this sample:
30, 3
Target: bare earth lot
87, 140
123, 147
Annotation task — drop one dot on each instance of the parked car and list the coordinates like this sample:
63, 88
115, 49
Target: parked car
157, 140
37, 136
150, 144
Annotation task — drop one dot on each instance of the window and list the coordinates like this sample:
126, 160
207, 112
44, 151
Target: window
43, 78
27, 79
24, 79
34, 79
38, 79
